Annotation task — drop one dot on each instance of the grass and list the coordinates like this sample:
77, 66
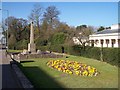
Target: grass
15, 51
42, 76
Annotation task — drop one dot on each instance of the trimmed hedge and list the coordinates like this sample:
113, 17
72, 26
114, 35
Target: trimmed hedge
91, 52
110, 55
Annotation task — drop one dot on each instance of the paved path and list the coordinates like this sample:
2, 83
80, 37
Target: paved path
9, 79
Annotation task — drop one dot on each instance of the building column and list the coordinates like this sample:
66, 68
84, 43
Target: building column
116, 43
104, 43
99, 44
110, 43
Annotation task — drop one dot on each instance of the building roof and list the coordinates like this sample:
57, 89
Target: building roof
109, 31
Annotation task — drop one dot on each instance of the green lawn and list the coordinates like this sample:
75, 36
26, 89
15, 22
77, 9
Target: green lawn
15, 51
42, 76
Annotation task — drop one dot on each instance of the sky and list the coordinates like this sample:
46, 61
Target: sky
73, 13
60, 0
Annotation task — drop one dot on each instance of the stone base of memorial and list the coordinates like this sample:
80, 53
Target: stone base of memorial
23, 56
32, 48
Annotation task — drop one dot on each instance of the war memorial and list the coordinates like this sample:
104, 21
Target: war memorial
32, 52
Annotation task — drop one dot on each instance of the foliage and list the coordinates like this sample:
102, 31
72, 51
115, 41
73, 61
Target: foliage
22, 44
58, 38
110, 55
55, 48
91, 52
11, 42
101, 28
42, 48
17, 31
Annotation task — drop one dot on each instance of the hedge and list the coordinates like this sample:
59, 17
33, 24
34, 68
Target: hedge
110, 55
91, 52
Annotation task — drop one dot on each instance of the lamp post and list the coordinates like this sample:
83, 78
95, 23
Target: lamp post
101, 50
7, 27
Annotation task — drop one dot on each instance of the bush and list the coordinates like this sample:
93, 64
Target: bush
58, 38
91, 52
110, 55
55, 48
21, 44
41, 42
42, 48
75, 50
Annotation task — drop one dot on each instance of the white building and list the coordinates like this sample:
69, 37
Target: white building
106, 38
83, 40
76, 41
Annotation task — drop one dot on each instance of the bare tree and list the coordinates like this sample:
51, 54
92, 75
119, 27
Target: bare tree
51, 15
36, 15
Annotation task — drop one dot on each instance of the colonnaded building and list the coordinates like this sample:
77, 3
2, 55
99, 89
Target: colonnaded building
106, 38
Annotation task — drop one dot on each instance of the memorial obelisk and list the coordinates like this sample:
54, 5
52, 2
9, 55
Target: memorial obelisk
31, 45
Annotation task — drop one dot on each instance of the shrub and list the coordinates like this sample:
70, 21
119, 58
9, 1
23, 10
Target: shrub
21, 44
58, 38
91, 52
110, 55
55, 48
41, 42
42, 48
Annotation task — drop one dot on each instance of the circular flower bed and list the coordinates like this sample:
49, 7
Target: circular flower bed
73, 67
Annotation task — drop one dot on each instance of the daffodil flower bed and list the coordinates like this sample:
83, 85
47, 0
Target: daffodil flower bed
73, 67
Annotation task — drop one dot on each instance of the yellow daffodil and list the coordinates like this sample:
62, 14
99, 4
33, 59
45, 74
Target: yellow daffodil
77, 72
73, 67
